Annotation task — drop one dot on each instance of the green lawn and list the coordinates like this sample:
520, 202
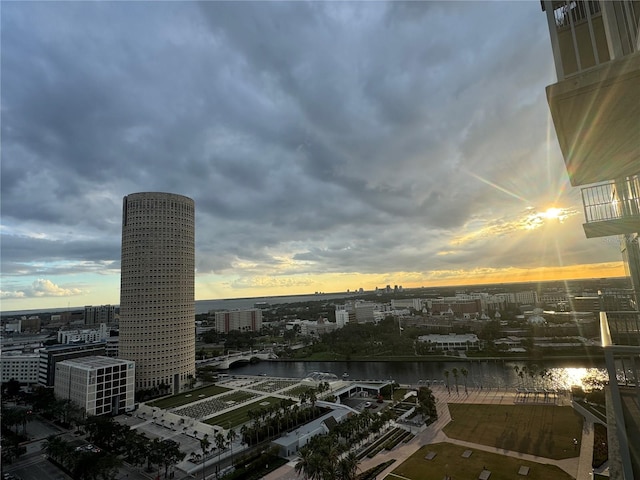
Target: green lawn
543, 430
296, 391
239, 415
449, 461
188, 397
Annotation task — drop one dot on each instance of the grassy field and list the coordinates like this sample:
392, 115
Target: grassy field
188, 397
296, 391
543, 430
239, 415
449, 461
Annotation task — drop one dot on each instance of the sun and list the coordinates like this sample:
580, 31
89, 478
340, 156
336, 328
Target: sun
552, 212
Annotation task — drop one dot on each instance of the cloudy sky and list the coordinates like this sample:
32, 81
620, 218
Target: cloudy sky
327, 145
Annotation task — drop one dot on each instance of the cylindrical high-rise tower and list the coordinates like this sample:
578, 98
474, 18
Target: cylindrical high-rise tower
157, 305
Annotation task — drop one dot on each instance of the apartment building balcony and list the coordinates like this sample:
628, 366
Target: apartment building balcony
620, 329
612, 208
620, 334
596, 114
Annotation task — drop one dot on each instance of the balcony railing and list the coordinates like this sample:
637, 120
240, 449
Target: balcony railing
620, 328
577, 10
612, 208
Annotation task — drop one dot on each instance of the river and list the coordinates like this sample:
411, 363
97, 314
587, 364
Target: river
488, 374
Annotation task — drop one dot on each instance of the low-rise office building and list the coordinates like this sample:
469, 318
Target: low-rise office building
57, 353
19, 366
100, 385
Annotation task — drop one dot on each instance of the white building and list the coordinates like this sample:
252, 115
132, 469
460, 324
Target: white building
99, 385
249, 320
342, 316
316, 328
527, 298
19, 366
403, 303
86, 335
506, 297
452, 341
292, 442
157, 303
13, 327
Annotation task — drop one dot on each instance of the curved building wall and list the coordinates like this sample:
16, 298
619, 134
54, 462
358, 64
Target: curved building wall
157, 305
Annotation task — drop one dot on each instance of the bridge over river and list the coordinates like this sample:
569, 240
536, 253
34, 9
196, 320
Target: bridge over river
224, 362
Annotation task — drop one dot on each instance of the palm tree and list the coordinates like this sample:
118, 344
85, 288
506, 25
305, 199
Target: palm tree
464, 373
348, 467
231, 436
220, 443
446, 376
313, 398
455, 376
244, 434
204, 445
10, 417
308, 465
25, 416
56, 448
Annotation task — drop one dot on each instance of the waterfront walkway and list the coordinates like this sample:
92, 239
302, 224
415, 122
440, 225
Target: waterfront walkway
578, 467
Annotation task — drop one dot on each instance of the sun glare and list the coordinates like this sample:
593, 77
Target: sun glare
552, 213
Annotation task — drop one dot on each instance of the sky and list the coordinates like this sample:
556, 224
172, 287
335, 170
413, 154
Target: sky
327, 145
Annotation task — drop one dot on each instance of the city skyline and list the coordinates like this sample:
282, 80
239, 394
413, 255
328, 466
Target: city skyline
328, 146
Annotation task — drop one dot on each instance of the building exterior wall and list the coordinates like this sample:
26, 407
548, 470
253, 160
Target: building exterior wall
527, 298
243, 320
94, 315
31, 324
100, 385
464, 341
364, 312
157, 304
316, 328
58, 353
21, 367
415, 303
112, 347
88, 336
459, 307
342, 318
585, 304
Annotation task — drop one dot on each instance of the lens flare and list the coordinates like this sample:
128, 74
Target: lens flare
552, 213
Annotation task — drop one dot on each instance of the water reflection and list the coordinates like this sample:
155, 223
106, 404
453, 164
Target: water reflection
504, 375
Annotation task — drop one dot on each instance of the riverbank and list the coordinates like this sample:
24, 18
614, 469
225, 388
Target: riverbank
590, 360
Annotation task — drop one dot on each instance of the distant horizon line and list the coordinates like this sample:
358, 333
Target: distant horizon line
317, 294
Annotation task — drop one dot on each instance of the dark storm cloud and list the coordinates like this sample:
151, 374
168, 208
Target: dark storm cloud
38, 256
339, 134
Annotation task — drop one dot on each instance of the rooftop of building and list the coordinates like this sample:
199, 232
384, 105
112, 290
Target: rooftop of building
92, 362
